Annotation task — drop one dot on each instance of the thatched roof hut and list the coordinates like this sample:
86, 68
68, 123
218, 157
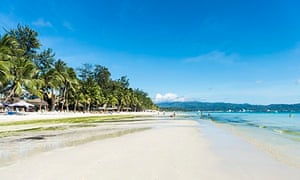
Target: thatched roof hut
21, 104
37, 102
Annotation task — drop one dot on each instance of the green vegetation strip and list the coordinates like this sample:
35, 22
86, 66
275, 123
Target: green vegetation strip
89, 119
36, 129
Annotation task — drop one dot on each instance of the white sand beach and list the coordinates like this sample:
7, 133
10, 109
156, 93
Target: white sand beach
53, 115
170, 149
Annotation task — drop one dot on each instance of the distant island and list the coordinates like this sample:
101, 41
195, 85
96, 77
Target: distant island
226, 107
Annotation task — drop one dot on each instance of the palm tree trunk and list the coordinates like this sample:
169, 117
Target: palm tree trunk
75, 105
64, 98
67, 105
88, 107
11, 94
53, 100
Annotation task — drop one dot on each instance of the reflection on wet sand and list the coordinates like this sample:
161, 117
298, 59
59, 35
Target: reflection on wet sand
24, 143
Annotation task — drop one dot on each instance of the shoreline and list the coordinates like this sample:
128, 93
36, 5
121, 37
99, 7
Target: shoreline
276, 134
168, 149
236, 152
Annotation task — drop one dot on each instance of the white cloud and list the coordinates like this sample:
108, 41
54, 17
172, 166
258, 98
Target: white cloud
168, 97
259, 82
214, 56
68, 25
42, 23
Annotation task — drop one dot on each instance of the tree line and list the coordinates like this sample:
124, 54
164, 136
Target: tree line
26, 71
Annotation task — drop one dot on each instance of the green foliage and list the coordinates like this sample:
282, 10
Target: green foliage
25, 72
44, 61
114, 93
27, 39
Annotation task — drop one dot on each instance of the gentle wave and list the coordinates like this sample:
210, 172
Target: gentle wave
278, 134
277, 126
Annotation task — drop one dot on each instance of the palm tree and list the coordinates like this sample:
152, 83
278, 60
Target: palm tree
22, 72
112, 100
7, 43
134, 102
27, 39
20, 77
70, 84
53, 82
90, 87
44, 61
75, 96
63, 81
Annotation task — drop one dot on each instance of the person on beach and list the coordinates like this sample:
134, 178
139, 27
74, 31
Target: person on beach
173, 115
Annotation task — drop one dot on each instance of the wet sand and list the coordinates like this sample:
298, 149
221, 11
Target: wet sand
162, 149
4, 117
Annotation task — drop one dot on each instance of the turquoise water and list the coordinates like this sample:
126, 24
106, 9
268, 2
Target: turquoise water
281, 125
278, 134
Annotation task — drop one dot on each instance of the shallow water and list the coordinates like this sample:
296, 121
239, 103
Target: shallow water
278, 134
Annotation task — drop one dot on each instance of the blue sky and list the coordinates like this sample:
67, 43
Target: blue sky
207, 50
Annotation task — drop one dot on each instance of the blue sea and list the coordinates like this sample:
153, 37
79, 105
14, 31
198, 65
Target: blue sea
278, 134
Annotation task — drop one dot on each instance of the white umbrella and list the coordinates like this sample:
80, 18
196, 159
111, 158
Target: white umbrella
21, 104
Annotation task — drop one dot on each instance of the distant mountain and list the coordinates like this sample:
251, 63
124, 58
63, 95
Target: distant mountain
227, 107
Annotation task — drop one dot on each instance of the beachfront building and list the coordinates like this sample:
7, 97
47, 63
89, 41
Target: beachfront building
40, 105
